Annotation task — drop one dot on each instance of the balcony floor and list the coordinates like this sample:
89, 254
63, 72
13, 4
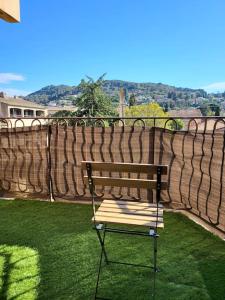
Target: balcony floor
49, 251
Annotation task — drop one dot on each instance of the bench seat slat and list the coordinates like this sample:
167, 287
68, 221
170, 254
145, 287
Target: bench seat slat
142, 212
128, 222
127, 203
136, 214
127, 216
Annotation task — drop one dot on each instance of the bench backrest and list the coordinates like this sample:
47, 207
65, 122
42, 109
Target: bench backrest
111, 167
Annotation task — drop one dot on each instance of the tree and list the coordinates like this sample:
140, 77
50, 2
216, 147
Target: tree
152, 109
174, 96
132, 100
93, 102
217, 111
186, 97
166, 107
172, 104
177, 124
64, 114
169, 95
201, 93
205, 110
215, 108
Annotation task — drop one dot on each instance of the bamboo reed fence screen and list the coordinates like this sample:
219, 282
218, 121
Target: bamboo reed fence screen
40, 161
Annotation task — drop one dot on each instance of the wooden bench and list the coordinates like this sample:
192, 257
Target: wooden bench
123, 212
127, 212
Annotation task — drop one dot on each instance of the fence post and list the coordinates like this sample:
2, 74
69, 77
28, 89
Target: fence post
151, 159
49, 162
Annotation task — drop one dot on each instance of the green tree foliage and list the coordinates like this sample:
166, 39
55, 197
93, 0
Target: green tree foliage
166, 107
115, 100
172, 104
173, 95
93, 102
205, 109
64, 113
150, 110
215, 109
177, 124
132, 100
201, 93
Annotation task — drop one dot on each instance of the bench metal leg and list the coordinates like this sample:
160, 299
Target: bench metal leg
102, 239
152, 233
155, 269
103, 252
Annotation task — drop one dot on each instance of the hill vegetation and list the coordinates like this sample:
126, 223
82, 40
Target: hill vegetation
142, 91
168, 97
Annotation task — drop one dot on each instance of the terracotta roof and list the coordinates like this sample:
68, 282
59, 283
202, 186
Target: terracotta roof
185, 113
19, 102
211, 125
190, 112
61, 108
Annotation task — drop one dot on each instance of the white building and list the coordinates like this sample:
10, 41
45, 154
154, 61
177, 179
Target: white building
20, 108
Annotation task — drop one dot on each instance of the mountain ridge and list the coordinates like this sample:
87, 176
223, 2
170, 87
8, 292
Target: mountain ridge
144, 92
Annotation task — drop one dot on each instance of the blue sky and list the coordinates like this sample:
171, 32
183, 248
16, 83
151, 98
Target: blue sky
58, 42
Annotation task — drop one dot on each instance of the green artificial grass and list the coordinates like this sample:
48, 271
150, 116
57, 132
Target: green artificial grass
50, 251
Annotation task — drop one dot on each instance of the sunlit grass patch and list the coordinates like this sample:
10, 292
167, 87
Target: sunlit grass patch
19, 271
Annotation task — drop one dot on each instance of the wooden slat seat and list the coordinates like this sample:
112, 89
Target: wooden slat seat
130, 213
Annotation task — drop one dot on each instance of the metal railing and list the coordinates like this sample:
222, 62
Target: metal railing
192, 122
40, 157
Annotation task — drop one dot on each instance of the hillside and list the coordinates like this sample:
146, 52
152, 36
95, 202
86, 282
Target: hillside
52, 93
144, 92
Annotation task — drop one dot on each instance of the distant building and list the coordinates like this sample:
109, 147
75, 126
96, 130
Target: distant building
189, 113
211, 125
17, 107
222, 113
13, 107
52, 103
202, 124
